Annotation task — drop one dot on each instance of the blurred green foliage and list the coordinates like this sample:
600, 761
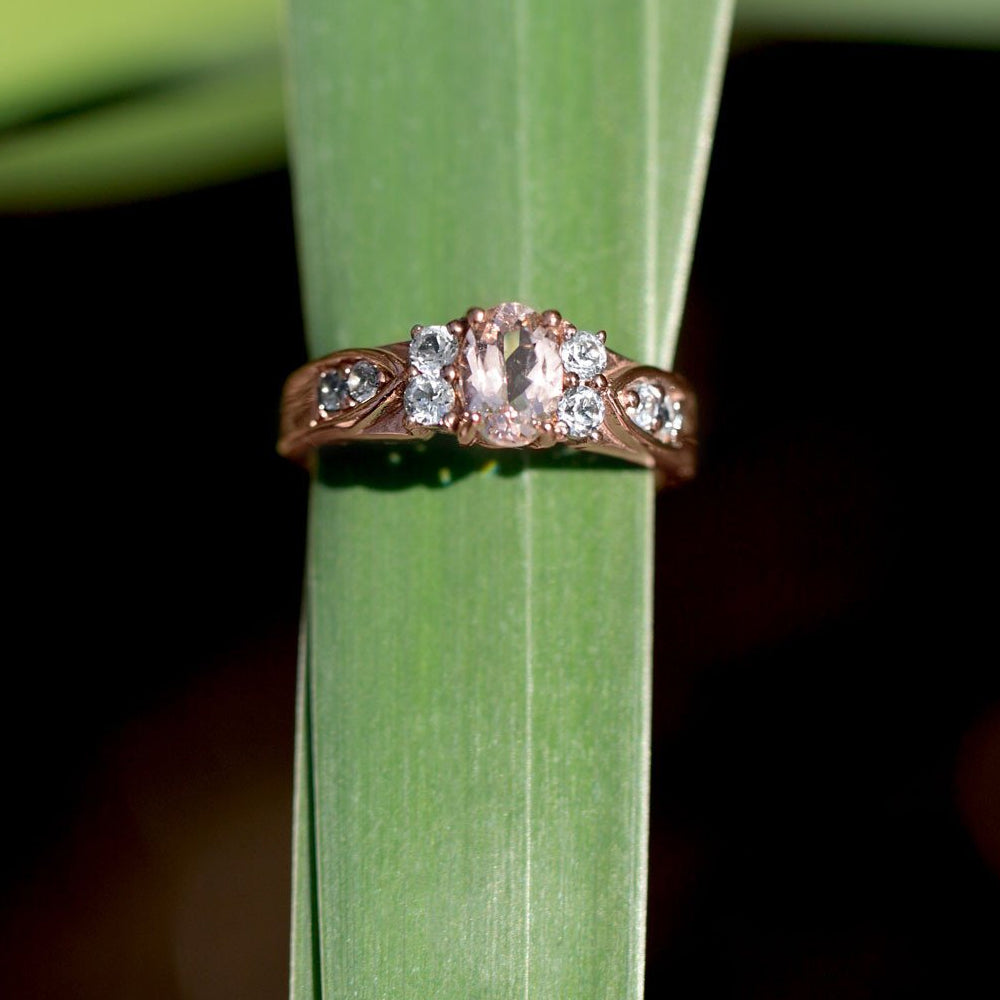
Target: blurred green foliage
59, 53
109, 100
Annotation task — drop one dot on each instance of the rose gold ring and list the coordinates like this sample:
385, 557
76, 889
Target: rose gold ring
506, 377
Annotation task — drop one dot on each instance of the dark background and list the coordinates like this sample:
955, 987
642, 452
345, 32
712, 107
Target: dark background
826, 773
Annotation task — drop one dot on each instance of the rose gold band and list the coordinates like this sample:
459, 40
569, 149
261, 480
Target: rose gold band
400, 392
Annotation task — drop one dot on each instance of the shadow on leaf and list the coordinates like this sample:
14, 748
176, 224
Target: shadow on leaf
442, 462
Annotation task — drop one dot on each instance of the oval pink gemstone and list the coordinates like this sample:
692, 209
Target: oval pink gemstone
511, 372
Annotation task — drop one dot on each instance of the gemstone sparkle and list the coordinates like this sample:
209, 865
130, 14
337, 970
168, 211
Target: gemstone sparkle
431, 348
658, 411
584, 354
428, 399
333, 391
646, 414
362, 383
511, 374
582, 411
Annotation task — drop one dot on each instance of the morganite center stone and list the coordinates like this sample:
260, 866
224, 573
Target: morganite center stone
512, 375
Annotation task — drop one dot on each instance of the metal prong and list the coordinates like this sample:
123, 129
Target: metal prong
475, 315
458, 326
551, 317
599, 382
450, 422
414, 330
466, 429
570, 380
546, 436
449, 373
602, 336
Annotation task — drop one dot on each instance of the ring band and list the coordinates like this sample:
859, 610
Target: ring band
505, 377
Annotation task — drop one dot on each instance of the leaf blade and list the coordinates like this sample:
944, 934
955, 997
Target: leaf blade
481, 766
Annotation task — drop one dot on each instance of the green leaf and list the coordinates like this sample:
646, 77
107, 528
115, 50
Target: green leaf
479, 622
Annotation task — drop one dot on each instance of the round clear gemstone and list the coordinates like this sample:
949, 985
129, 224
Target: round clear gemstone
648, 414
428, 399
658, 411
581, 409
431, 348
333, 391
584, 354
362, 383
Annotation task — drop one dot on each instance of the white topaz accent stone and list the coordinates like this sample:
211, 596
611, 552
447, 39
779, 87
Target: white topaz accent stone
511, 374
582, 411
428, 399
333, 391
647, 414
657, 412
362, 383
431, 348
584, 354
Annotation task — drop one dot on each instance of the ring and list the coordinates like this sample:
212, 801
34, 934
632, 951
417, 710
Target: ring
506, 377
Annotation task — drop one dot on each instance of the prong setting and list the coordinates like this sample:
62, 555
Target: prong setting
465, 430
546, 436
